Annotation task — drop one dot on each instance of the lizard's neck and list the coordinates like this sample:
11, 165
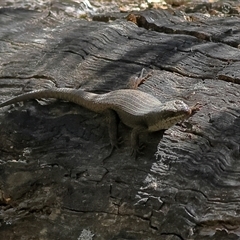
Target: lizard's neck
167, 115
165, 123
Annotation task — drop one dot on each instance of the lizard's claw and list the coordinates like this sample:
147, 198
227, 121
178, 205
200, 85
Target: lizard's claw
109, 154
119, 141
114, 145
195, 108
137, 150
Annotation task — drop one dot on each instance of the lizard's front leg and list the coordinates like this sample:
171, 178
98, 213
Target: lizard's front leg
135, 139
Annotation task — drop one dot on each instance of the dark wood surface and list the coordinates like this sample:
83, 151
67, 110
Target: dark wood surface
53, 182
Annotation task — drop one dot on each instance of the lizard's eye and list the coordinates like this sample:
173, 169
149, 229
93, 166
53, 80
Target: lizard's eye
178, 102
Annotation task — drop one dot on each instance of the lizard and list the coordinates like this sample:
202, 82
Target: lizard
136, 109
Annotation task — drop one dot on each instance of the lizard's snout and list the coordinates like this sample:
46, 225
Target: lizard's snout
181, 106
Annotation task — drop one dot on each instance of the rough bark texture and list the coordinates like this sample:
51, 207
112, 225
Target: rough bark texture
53, 183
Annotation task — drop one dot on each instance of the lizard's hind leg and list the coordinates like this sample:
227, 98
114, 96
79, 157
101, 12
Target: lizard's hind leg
136, 149
112, 121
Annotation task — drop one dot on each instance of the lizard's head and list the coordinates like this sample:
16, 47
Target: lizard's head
168, 114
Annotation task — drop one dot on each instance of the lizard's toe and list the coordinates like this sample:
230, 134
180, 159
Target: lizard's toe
137, 151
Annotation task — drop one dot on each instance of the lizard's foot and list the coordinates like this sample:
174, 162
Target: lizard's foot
137, 150
113, 146
195, 108
109, 154
119, 142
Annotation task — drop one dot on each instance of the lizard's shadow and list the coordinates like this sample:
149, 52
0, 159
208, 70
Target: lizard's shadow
55, 127
61, 126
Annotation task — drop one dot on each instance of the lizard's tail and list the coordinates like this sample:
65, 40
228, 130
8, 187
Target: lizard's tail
80, 97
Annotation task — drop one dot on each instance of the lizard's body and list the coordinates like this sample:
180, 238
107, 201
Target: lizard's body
136, 109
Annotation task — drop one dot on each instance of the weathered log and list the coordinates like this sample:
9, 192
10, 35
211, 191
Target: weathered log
53, 182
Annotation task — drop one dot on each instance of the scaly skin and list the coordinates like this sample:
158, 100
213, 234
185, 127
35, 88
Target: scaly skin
138, 110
